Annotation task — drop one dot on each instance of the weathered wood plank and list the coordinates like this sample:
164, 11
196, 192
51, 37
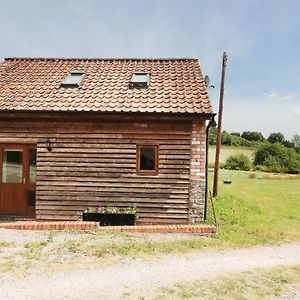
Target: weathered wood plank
96, 201
94, 161
115, 184
141, 179
87, 188
109, 170
94, 173
130, 195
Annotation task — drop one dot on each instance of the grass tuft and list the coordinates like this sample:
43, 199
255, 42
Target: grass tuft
256, 284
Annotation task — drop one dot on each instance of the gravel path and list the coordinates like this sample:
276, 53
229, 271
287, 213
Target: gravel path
22, 236
293, 295
137, 277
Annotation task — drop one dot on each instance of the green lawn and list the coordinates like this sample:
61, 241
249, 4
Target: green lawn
226, 151
260, 210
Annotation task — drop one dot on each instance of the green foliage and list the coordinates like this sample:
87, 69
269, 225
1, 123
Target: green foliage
251, 139
231, 139
132, 210
276, 137
253, 136
235, 133
227, 151
91, 210
283, 156
113, 210
110, 210
238, 162
228, 139
296, 141
277, 158
212, 136
289, 144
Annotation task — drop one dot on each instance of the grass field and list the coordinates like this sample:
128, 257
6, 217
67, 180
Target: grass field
226, 151
258, 208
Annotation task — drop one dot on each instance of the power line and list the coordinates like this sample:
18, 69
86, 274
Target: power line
257, 84
250, 78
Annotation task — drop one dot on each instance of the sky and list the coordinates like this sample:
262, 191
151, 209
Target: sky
261, 38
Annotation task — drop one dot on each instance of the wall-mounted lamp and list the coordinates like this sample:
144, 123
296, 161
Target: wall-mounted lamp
48, 144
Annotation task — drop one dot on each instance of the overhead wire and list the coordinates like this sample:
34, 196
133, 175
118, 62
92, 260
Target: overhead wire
260, 87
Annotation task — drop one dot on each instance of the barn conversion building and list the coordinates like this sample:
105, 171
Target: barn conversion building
78, 133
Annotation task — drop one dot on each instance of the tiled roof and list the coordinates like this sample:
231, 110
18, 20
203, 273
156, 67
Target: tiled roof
33, 84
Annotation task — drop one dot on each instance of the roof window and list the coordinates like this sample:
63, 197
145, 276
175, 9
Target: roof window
139, 80
73, 80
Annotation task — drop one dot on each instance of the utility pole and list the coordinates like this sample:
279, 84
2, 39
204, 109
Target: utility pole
219, 132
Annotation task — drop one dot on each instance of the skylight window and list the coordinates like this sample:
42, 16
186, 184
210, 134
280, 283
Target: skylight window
139, 80
73, 80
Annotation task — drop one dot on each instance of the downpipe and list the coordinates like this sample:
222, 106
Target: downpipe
211, 122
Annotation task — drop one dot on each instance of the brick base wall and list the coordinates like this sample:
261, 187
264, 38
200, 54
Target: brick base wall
197, 172
201, 229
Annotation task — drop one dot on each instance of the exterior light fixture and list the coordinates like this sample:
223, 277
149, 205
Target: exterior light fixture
48, 144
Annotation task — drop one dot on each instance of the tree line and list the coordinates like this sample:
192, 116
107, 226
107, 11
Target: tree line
252, 139
272, 154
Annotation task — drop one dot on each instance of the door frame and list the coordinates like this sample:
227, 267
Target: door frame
30, 211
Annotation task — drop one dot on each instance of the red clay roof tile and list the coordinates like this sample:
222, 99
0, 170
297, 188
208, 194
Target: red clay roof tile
176, 85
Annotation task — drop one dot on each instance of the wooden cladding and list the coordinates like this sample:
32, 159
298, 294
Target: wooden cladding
95, 163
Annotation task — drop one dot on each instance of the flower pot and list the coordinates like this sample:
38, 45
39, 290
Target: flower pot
106, 219
91, 217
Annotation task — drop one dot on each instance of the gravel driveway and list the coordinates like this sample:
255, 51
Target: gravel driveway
143, 277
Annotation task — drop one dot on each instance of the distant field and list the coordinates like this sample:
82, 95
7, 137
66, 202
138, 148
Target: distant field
226, 151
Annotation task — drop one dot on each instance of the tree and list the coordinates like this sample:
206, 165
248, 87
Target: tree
226, 138
235, 133
238, 162
288, 144
277, 158
276, 137
212, 136
296, 141
253, 136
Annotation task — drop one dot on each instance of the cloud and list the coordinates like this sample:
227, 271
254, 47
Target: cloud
269, 95
279, 97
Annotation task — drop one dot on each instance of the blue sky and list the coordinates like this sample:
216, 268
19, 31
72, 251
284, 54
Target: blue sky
262, 39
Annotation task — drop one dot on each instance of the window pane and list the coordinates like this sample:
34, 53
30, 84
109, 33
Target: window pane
73, 80
142, 77
32, 165
31, 199
147, 158
12, 167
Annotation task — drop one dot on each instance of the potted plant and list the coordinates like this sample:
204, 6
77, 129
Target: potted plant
111, 216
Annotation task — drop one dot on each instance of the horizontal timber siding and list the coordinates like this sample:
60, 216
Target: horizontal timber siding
93, 163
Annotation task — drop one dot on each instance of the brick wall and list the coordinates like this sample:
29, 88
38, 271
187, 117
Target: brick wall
197, 172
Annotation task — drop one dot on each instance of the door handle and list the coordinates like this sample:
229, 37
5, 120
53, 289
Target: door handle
24, 180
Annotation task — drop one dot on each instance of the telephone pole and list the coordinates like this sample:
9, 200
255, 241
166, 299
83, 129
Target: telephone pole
219, 131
